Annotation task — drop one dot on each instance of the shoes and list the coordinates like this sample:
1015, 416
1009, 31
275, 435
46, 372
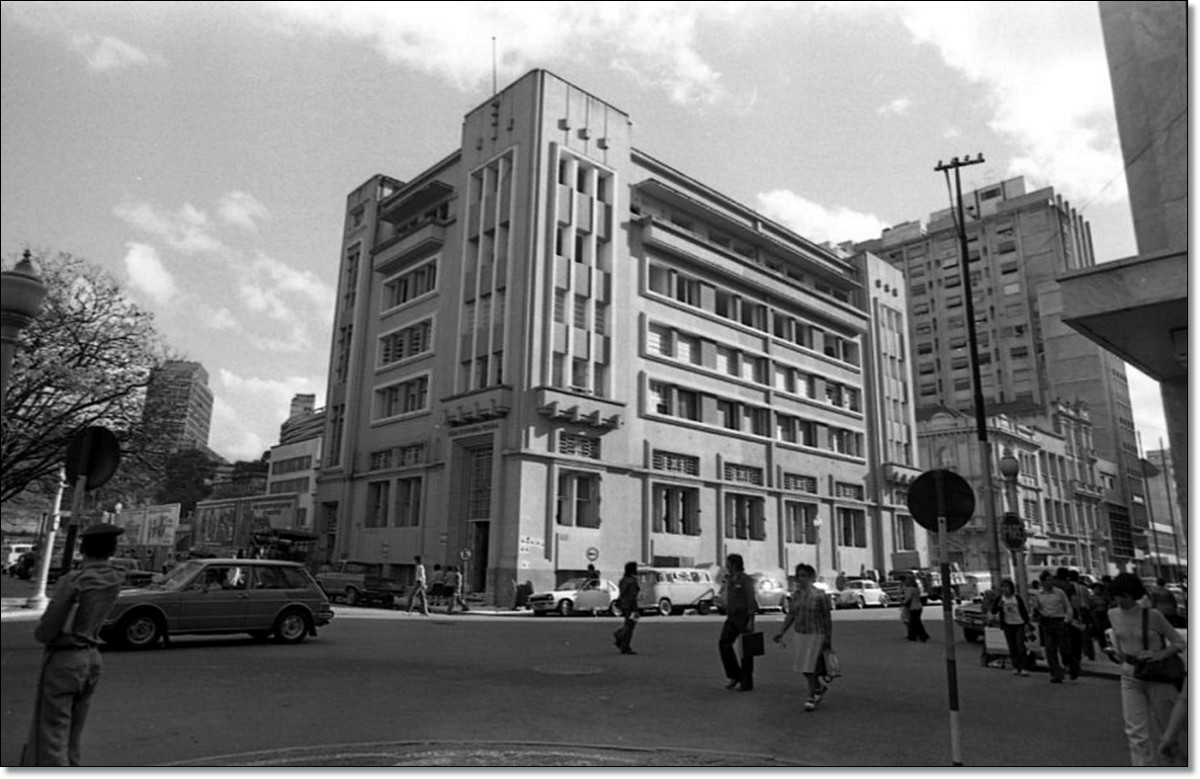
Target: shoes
628, 651
1016, 672
732, 683
810, 705
745, 688
1024, 672
1074, 675
819, 694
1057, 680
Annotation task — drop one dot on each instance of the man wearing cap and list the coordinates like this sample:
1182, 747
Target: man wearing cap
70, 630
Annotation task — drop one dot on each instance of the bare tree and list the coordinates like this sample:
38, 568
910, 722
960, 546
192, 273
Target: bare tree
85, 360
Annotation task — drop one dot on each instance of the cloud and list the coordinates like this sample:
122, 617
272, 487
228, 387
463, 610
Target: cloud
294, 297
247, 411
148, 274
1145, 397
897, 107
816, 222
187, 230
105, 53
242, 210
656, 43
1048, 86
952, 133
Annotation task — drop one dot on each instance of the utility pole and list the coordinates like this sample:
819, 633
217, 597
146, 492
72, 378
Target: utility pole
985, 450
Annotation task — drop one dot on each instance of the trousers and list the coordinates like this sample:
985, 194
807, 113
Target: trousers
1147, 707
742, 671
68, 682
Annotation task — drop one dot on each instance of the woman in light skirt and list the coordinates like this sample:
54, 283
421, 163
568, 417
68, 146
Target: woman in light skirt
812, 624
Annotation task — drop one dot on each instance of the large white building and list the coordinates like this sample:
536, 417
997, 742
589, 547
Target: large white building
551, 348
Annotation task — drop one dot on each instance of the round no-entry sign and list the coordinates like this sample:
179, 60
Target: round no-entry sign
958, 499
465, 553
593, 554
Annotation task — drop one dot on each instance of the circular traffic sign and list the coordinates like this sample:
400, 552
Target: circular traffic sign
95, 453
957, 499
1012, 530
465, 554
593, 554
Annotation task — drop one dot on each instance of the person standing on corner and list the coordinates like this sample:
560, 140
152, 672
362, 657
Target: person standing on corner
419, 588
627, 602
914, 607
70, 629
740, 608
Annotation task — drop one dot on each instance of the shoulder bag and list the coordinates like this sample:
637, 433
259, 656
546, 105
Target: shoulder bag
1169, 670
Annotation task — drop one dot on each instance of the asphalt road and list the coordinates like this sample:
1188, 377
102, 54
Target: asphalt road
383, 688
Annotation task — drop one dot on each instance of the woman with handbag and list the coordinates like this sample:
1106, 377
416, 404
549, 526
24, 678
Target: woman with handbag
1150, 651
1014, 620
812, 622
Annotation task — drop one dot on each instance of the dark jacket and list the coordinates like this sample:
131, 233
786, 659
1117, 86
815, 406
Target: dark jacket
627, 599
740, 603
998, 608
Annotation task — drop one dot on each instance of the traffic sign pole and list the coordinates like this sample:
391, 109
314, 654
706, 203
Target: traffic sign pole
948, 624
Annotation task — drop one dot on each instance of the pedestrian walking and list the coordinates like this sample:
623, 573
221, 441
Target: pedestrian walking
419, 584
811, 621
437, 585
1099, 603
454, 585
1014, 621
70, 629
740, 608
1164, 600
913, 606
627, 603
1053, 612
1142, 634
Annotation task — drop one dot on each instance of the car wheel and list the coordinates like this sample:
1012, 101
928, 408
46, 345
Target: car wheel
352, 596
565, 607
703, 607
291, 627
141, 630
665, 607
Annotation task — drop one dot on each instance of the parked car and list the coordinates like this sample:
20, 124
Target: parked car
671, 590
770, 592
212, 596
860, 593
135, 575
591, 596
971, 619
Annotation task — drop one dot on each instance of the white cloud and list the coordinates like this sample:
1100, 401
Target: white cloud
1145, 397
654, 42
187, 230
148, 274
105, 53
897, 107
247, 412
816, 222
294, 297
1048, 82
242, 210
952, 133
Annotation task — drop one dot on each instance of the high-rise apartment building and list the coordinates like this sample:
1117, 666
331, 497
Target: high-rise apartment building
180, 404
1018, 242
552, 349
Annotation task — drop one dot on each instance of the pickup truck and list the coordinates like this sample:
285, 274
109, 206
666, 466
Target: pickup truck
359, 583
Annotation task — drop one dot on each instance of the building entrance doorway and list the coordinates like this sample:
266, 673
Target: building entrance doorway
477, 565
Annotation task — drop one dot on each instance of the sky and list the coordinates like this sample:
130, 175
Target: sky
202, 152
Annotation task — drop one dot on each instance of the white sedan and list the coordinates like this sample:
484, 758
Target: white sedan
860, 593
590, 596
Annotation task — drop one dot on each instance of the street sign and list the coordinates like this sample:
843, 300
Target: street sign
465, 554
593, 554
94, 453
958, 500
1012, 530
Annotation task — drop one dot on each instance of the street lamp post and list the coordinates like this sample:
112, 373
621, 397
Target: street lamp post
1010, 469
817, 532
21, 295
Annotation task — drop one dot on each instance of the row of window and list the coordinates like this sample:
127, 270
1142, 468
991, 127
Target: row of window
410, 285
398, 457
393, 503
405, 343
697, 293
288, 486
292, 464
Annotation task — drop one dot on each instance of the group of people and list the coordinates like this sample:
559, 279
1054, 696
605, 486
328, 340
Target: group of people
446, 587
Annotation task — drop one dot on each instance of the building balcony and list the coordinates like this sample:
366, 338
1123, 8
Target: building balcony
898, 473
1086, 490
393, 253
478, 406
579, 407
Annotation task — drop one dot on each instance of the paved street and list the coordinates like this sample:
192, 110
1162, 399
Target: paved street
383, 688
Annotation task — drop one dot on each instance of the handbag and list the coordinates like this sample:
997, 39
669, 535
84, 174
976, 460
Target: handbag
833, 666
752, 644
905, 616
1169, 669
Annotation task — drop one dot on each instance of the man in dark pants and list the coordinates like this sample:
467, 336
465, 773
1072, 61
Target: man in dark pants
628, 605
740, 608
70, 629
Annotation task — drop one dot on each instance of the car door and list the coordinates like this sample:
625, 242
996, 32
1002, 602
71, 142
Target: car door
593, 595
269, 590
216, 600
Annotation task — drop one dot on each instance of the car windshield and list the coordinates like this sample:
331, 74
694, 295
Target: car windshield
571, 584
179, 576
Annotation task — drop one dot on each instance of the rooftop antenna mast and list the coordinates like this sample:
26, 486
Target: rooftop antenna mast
494, 89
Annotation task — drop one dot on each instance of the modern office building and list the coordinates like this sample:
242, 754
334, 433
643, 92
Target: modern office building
1167, 554
180, 404
551, 349
1030, 360
1138, 307
304, 422
296, 460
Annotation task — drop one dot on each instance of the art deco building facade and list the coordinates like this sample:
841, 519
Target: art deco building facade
551, 348
1030, 360
180, 403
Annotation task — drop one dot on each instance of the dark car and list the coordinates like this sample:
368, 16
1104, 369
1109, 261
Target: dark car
261, 597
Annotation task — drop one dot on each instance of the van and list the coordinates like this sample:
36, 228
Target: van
671, 590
